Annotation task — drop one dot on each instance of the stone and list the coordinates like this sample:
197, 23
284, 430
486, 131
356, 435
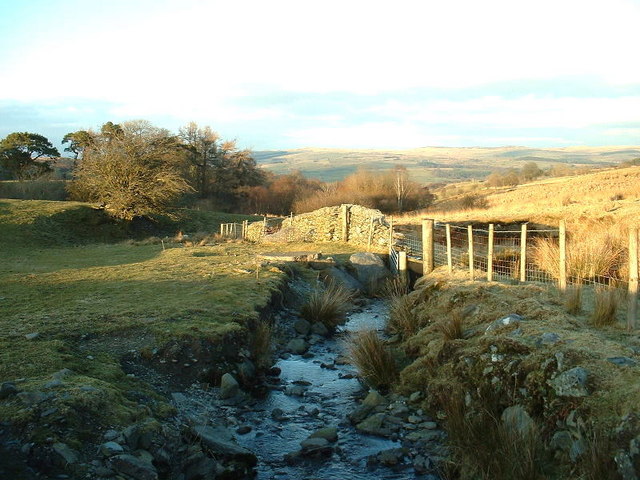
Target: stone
202, 467
572, 383
32, 336
61, 374
246, 370
415, 397
8, 389
220, 442
109, 449
134, 467
55, 383
422, 464
548, 338
243, 430
297, 346
229, 386
369, 267
313, 443
517, 420
294, 390
374, 425
33, 397
373, 399
391, 457
319, 328
424, 436
278, 414
623, 361
66, 454
511, 319
110, 435
561, 440
341, 277
302, 326
328, 433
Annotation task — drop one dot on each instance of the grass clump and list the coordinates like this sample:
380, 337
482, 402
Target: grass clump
260, 344
573, 299
328, 305
373, 359
607, 301
402, 317
451, 328
394, 287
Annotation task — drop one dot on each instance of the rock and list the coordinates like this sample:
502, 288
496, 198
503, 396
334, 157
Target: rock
548, 338
61, 374
8, 389
278, 414
319, 328
313, 443
53, 384
229, 386
369, 268
516, 419
134, 467
422, 464
109, 449
294, 390
391, 457
373, 399
626, 469
415, 397
246, 370
374, 425
511, 319
32, 336
572, 383
424, 435
110, 435
578, 447
341, 277
623, 361
33, 397
65, 453
561, 440
140, 435
201, 467
220, 441
297, 346
302, 326
243, 430
328, 433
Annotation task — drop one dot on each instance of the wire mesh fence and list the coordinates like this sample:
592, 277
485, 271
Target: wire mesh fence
514, 253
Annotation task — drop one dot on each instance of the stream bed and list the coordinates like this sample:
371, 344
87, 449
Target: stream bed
313, 391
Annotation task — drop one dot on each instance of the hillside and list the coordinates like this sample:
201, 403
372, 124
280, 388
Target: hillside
437, 164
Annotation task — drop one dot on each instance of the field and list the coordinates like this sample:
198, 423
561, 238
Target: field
437, 164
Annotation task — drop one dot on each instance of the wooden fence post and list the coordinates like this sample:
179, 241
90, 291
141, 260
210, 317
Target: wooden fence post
449, 259
490, 254
523, 253
470, 236
562, 237
632, 310
427, 246
344, 220
402, 264
221, 229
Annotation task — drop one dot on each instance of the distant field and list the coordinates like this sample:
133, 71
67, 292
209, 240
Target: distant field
437, 164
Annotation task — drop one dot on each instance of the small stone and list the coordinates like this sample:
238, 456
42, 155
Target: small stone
109, 449
297, 346
8, 389
517, 420
294, 390
53, 383
319, 328
33, 397
134, 467
328, 433
414, 419
229, 386
302, 326
243, 430
278, 414
61, 374
32, 336
415, 396
111, 435
571, 383
561, 440
548, 338
623, 361
373, 399
314, 442
511, 319
66, 454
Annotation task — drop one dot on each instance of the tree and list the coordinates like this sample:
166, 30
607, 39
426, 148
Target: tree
133, 170
21, 154
531, 171
401, 185
78, 141
202, 147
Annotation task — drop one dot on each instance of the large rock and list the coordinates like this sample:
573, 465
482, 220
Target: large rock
297, 346
328, 433
572, 383
66, 455
369, 268
511, 319
516, 419
302, 326
341, 277
229, 386
134, 467
220, 442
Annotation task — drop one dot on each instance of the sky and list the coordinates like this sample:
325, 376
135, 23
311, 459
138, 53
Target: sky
333, 74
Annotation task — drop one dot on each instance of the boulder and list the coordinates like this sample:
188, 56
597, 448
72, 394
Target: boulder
302, 326
340, 277
220, 442
297, 346
516, 419
8, 389
369, 268
511, 319
319, 328
66, 455
328, 433
229, 386
109, 449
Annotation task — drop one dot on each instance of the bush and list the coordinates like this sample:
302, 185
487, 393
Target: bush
328, 305
41, 189
374, 361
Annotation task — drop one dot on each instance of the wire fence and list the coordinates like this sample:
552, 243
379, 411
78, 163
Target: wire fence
503, 254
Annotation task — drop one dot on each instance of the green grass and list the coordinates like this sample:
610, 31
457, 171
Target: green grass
101, 300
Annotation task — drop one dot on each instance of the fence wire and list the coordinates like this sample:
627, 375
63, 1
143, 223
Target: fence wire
541, 254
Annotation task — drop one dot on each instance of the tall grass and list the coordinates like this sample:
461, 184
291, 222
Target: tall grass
594, 252
260, 344
41, 189
395, 287
374, 361
403, 320
451, 328
607, 301
573, 299
328, 305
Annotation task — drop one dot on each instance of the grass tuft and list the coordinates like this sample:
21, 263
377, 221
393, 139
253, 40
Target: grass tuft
260, 344
607, 301
402, 318
451, 328
573, 300
374, 361
395, 287
328, 305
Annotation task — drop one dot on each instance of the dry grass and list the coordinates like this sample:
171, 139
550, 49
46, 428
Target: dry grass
573, 299
451, 328
395, 287
328, 305
374, 361
402, 318
260, 344
607, 301
597, 463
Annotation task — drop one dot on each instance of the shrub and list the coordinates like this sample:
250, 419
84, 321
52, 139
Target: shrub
374, 361
328, 305
606, 305
402, 318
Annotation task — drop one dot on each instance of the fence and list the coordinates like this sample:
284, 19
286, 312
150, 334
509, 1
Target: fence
509, 254
235, 231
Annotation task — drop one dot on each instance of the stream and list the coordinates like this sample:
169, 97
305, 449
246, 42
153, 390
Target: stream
313, 391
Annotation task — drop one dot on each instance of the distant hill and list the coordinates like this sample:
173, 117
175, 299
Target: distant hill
437, 164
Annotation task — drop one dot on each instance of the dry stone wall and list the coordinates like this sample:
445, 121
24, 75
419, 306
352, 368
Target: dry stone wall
364, 226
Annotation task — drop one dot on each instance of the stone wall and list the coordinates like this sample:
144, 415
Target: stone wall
364, 225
